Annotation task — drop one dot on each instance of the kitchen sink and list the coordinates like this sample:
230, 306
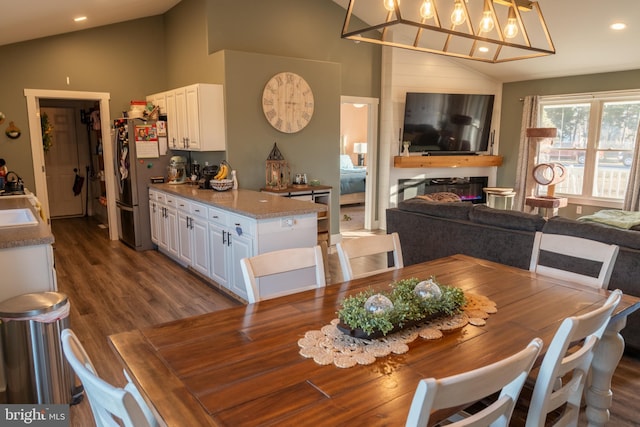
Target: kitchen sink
17, 218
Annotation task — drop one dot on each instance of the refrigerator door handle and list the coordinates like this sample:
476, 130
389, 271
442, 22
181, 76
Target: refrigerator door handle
124, 207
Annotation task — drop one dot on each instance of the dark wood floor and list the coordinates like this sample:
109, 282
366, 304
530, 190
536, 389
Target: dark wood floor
113, 288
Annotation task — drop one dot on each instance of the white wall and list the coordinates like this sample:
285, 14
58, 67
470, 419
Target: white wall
408, 71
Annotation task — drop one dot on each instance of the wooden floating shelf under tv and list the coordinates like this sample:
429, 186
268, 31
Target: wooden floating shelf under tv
446, 161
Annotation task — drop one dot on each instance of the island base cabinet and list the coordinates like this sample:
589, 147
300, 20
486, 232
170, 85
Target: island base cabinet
212, 240
27, 269
285, 233
231, 239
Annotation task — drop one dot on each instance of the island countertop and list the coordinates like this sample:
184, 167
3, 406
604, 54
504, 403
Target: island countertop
253, 204
26, 235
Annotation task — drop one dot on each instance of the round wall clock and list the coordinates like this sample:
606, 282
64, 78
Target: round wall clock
287, 102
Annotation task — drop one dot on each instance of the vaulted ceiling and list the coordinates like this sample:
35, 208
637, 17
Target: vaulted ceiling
580, 31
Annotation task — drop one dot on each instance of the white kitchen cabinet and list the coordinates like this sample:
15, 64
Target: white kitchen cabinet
192, 235
174, 129
166, 223
159, 100
231, 237
154, 216
217, 227
195, 117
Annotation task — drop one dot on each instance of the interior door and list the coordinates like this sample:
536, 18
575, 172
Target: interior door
61, 160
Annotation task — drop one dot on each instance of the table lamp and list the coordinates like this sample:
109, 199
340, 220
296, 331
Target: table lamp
360, 148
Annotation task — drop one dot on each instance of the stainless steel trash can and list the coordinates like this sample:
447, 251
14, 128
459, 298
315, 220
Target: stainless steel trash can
35, 367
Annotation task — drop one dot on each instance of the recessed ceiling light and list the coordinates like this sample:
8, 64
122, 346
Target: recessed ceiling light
618, 26
483, 49
80, 18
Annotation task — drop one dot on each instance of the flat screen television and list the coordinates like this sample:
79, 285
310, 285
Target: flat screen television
446, 124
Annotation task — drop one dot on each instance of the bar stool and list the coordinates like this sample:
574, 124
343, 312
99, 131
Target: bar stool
500, 198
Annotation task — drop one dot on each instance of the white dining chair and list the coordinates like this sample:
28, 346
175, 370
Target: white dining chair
602, 254
282, 261
111, 406
565, 367
506, 376
367, 246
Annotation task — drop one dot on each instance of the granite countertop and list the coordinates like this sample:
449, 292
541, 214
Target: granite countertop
26, 235
253, 204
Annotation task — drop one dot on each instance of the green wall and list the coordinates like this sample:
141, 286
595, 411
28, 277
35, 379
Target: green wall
304, 29
512, 93
193, 43
115, 59
314, 150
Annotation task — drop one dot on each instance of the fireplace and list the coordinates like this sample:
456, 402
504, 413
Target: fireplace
468, 188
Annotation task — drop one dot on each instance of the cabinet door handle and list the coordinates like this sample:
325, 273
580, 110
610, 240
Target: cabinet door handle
228, 239
223, 238
191, 223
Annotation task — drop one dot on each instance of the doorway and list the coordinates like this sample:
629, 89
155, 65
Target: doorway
358, 163
67, 160
100, 100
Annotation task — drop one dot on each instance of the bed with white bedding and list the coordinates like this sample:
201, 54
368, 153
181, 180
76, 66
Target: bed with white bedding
352, 181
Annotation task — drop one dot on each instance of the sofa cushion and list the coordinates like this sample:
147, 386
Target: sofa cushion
455, 210
514, 220
593, 231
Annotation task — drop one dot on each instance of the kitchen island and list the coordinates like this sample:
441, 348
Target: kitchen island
26, 254
210, 231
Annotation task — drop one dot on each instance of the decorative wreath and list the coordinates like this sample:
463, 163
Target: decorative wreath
47, 132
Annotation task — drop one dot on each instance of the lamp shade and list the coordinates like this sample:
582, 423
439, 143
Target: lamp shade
360, 147
542, 132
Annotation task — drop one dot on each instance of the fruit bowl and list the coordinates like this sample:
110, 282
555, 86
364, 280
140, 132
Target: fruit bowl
221, 184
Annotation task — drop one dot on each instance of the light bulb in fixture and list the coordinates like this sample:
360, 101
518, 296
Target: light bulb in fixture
457, 16
486, 23
426, 9
618, 26
390, 5
511, 29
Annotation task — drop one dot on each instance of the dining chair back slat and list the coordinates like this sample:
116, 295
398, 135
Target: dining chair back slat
507, 376
282, 261
111, 406
366, 246
565, 367
565, 252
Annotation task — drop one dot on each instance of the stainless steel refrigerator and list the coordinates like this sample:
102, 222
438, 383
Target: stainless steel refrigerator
137, 160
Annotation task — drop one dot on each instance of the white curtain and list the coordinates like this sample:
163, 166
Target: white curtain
525, 185
632, 197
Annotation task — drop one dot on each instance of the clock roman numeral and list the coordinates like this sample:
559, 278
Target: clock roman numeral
267, 101
271, 114
278, 124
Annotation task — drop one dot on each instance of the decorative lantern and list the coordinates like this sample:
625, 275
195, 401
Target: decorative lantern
278, 174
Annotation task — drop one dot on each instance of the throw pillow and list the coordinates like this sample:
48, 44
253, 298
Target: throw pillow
441, 197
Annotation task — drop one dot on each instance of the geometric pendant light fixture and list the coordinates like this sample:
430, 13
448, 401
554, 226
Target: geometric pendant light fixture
491, 31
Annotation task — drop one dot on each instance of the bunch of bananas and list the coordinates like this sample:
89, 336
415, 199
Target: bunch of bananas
223, 172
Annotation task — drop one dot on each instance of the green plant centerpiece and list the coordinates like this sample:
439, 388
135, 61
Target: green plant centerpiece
373, 314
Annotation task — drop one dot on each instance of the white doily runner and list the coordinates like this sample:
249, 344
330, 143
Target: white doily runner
330, 346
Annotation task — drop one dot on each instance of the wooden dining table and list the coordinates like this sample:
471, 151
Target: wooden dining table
242, 366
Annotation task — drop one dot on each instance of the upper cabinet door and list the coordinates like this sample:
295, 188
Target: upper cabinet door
195, 117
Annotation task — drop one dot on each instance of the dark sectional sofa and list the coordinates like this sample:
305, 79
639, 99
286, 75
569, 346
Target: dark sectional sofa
430, 230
